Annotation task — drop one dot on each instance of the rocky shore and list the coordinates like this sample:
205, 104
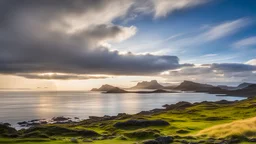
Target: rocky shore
183, 122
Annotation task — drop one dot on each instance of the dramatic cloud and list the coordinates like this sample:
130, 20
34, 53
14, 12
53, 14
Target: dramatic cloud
70, 39
231, 72
251, 41
251, 62
67, 36
57, 76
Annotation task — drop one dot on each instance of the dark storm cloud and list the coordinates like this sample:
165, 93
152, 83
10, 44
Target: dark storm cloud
60, 76
216, 72
233, 67
39, 36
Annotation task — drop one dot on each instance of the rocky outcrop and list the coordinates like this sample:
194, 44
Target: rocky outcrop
178, 106
7, 131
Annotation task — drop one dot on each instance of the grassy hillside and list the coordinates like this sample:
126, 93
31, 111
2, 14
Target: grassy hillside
205, 122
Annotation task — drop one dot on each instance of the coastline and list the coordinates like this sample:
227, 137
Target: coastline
171, 122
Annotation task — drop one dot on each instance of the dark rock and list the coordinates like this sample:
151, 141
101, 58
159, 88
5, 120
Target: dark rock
224, 102
252, 140
36, 120
7, 131
61, 131
150, 142
210, 141
154, 111
164, 140
43, 122
234, 141
123, 116
141, 123
22, 123
73, 140
182, 131
178, 106
122, 138
143, 134
7, 124
61, 118
189, 137
184, 142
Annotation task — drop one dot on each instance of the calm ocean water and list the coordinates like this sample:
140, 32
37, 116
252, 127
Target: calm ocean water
23, 106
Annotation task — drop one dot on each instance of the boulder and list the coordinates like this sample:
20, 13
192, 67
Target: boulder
178, 106
61, 118
150, 142
73, 140
164, 139
252, 140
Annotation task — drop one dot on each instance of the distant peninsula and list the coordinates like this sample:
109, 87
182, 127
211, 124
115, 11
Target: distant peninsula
243, 89
118, 90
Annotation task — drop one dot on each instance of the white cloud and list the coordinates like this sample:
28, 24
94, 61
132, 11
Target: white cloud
164, 7
209, 55
251, 62
213, 33
245, 42
225, 29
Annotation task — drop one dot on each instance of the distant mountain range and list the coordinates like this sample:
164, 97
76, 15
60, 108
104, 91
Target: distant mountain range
193, 86
148, 85
241, 86
141, 85
244, 89
105, 87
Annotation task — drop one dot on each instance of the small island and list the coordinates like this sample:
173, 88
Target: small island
118, 90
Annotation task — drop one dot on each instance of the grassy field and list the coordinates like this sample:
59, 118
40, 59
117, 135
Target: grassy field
206, 122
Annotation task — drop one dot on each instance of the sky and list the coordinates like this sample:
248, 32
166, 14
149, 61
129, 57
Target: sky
82, 44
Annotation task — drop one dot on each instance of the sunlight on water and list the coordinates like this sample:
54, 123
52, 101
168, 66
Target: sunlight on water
20, 106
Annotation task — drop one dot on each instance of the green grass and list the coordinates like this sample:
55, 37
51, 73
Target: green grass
200, 121
245, 128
